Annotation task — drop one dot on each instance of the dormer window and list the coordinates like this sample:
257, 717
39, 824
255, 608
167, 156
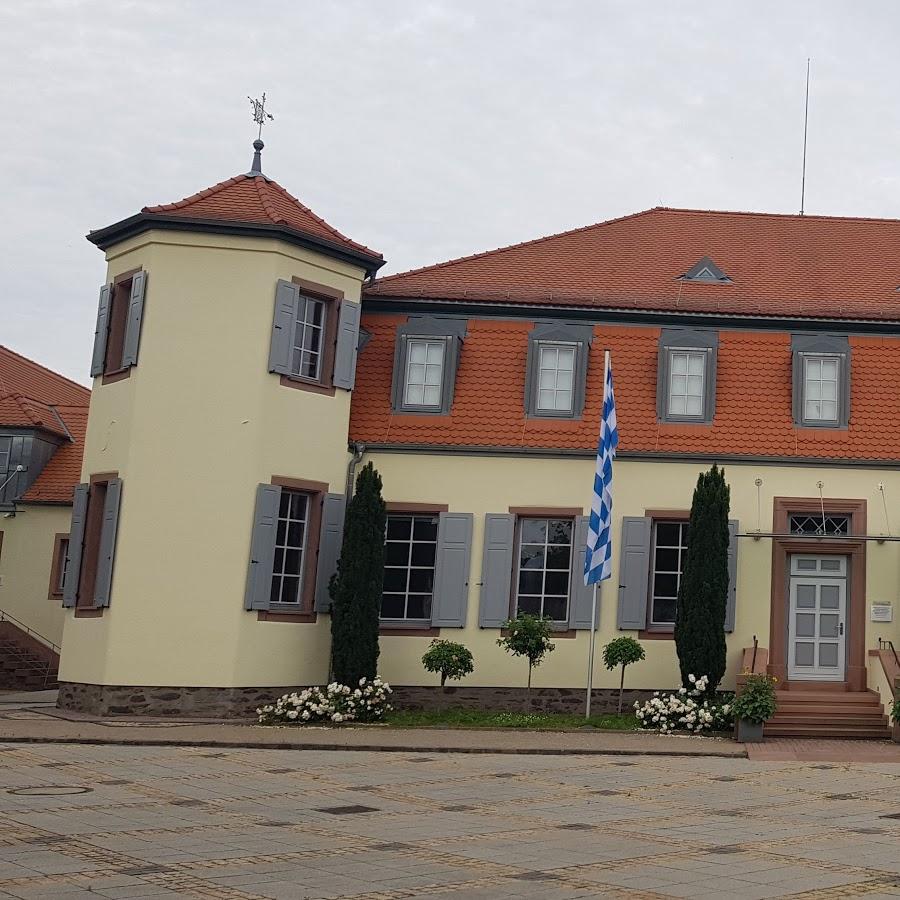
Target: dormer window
426, 357
556, 370
686, 375
424, 373
706, 271
821, 380
556, 378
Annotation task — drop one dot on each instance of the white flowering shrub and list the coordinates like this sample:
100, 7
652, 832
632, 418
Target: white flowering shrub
683, 710
330, 705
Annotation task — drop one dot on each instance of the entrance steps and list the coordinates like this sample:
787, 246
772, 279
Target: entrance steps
835, 713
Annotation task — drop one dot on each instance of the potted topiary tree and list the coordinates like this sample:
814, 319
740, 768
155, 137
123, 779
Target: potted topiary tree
448, 659
754, 705
528, 636
895, 720
622, 652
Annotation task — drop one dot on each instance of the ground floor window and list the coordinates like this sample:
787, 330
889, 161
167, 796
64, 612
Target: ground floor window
409, 555
670, 540
290, 549
544, 561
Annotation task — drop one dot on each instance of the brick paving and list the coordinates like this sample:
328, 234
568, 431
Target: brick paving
116, 822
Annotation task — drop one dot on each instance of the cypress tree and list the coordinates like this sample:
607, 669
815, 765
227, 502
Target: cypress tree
355, 589
703, 594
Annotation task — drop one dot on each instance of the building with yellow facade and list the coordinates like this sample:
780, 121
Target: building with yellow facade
247, 360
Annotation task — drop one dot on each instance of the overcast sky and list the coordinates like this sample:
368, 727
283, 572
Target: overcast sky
427, 130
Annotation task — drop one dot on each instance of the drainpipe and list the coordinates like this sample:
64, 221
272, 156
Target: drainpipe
358, 450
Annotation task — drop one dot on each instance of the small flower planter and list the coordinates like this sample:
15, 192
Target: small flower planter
895, 732
748, 732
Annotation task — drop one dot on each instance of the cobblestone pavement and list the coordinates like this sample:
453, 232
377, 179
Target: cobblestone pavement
112, 821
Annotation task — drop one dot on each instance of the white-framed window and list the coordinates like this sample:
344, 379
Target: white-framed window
821, 388
542, 569
306, 359
556, 377
670, 540
687, 372
5, 452
62, 564
290, 549
424, 373
409, 554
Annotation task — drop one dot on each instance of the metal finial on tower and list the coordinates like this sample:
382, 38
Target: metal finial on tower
259, 116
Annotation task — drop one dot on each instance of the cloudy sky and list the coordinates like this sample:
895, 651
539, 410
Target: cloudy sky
425, 129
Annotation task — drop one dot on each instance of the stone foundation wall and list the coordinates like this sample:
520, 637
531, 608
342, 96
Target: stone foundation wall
241, 703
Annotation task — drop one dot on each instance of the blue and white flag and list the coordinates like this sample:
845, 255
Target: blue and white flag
598, 558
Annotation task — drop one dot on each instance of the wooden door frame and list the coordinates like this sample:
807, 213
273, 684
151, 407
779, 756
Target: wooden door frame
854, 550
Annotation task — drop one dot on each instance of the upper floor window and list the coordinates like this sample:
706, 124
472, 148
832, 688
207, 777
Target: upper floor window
556, 378
409, 559
5, 452
426, 359
821, 380
686, 375
306, 360
543, 565
686, 371
119, 317
315, 337
821, 387
424, 373
556, 370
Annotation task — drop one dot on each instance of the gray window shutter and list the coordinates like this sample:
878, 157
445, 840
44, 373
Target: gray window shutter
76, 544
262, 547
331, 536
496, 569
347, 346
135, 317
107, 552
581, 596
451, 570
101, 332
634, 572
732, 574
287, 306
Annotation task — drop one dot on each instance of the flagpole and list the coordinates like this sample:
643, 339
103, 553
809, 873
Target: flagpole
593, 636
590, 676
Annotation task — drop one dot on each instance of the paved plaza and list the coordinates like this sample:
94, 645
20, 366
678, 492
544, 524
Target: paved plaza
115, 821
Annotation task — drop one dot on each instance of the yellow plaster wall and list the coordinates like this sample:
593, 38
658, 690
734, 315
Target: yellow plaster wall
196, 427
492, 484
26, 561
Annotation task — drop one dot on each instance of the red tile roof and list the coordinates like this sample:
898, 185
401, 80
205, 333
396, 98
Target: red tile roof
32, 396
256, 200
779, 265
753, 416
57, 482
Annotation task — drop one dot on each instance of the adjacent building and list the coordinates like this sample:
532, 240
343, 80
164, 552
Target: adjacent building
247, 360
43, 417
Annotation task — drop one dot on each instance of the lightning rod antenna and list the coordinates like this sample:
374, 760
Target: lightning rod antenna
805, 127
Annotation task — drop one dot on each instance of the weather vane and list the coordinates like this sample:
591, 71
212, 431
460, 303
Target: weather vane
259, 113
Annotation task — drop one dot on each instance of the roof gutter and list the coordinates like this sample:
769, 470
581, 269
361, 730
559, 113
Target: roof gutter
107, 237
376, 302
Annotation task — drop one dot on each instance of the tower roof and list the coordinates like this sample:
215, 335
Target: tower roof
250, 204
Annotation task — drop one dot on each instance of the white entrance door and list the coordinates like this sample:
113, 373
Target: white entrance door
817, 624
